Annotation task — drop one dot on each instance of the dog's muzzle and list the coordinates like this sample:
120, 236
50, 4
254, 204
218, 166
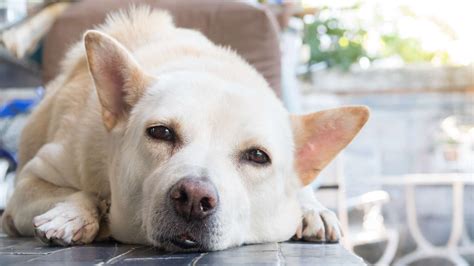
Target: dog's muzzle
193, 202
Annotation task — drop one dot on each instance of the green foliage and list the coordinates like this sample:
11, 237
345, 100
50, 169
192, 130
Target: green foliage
343, 46
410, 50
339, 46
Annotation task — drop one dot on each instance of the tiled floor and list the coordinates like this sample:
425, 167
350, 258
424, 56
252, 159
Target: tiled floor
20, 251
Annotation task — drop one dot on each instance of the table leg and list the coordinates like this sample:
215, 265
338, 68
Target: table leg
424, 248
458, 215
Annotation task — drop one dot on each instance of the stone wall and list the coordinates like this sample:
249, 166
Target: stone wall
414, 78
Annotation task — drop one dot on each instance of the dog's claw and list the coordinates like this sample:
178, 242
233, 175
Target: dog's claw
320, 234
41, 236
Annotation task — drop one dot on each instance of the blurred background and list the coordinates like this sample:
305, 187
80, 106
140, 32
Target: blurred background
403, 189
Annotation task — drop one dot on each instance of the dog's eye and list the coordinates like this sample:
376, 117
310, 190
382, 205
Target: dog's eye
161, 133
256, 156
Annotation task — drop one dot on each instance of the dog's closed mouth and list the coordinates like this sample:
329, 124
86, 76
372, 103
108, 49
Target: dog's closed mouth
185, 241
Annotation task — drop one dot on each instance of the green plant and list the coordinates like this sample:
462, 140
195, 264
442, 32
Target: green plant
339, 43
410, 50
342, 48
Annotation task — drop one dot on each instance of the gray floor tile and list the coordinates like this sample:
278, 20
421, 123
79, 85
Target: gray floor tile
21, 251
25, 246
94, 254
150, 255
9, 259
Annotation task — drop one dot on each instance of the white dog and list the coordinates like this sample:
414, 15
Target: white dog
184, 140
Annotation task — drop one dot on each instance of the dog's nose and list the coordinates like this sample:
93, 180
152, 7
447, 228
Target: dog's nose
194, 198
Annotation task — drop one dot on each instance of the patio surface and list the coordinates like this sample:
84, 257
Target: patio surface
21, 251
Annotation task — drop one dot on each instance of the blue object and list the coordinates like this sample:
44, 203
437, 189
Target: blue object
8, 111
9, 157
20, 106
15, 107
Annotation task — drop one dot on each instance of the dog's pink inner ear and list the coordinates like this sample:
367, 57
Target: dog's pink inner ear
118, 78
320, 136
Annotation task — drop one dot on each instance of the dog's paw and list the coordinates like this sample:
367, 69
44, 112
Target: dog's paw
319, 226
66, 224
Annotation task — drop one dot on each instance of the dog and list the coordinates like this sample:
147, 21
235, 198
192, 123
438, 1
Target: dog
154, 135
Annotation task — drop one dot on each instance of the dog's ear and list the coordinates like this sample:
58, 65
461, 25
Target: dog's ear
320, 136
118, 78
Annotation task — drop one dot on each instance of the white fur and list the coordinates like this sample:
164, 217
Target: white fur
67, 222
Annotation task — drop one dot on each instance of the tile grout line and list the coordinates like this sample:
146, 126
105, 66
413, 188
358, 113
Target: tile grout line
114, 259
281, 258
195, 260
45, 255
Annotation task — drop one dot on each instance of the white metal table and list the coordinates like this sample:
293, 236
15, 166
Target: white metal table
459, 242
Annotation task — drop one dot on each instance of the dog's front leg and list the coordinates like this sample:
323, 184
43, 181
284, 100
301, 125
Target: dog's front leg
74, 221
318, 224
45, 204
55, 215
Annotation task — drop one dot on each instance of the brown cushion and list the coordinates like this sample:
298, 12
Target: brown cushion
248, 29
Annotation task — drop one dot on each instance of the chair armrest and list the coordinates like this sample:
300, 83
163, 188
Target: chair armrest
377, 197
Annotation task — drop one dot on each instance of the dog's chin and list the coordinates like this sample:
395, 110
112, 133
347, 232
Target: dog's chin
183, 242
177, 236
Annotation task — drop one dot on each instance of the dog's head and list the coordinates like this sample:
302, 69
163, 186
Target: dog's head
203, 163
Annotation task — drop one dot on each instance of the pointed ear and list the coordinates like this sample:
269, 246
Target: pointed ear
320, 136
118, 78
